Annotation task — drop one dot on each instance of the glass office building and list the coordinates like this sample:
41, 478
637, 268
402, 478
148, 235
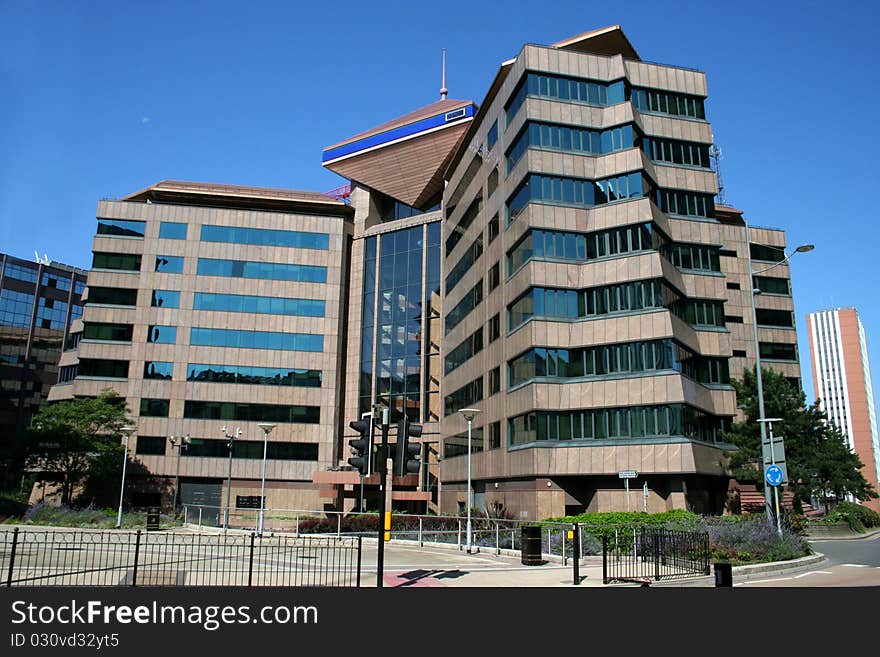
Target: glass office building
39, 302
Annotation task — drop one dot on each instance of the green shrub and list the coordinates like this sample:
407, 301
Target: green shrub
751, 539
618, 526
88, 518
735, 538
12, 507
858, 517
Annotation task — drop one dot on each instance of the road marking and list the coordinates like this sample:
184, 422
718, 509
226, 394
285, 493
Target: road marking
855, 565
763, 581
463, 567
421, 551
812, 572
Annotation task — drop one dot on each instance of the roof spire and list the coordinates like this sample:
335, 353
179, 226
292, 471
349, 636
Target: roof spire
443, 89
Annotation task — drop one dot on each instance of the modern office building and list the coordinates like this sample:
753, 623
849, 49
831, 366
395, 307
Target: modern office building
395, 336
842, 382
554, 258
38, 303
212, 309
596, 300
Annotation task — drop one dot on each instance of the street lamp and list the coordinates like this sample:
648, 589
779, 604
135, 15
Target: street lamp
762, 420
469, 415
180, 444
230, 441
267, 428
127, 431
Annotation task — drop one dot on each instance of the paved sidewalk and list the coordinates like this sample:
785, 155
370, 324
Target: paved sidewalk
449, 567
501, 575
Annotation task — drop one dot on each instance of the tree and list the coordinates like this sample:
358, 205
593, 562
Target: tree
819, 462
67, 437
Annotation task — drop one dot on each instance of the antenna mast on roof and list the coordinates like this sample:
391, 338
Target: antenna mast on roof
715, 154
443, 89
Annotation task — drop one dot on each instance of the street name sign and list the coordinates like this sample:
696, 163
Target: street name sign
627, 474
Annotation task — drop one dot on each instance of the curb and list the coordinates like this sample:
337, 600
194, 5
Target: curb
777, 567
844, 537
748, 572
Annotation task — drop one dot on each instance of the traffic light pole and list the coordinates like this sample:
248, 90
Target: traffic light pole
382, 467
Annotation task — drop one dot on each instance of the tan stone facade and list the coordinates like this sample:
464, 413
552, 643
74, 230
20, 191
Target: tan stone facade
325, 217
551, 476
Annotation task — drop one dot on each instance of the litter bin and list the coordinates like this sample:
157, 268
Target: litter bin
152, 519
531, 545
723, 574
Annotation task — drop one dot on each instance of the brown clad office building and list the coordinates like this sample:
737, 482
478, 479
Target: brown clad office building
554, 258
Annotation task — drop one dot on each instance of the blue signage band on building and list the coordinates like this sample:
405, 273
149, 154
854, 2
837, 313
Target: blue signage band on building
409, 130
773, 475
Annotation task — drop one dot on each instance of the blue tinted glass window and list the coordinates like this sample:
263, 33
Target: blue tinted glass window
617, 423
575, 192
51, 314
121, 227
615, 93
172, 230
668, 102
59, 282
569, 139
261, 305
165, 299
16, 308
566, 89
519, 200
263, 270
240, 374
464, 223
20, 272
465, 396
492, 135
169, 264
464, 307
256, 339
162, 334
154, 369
266, 237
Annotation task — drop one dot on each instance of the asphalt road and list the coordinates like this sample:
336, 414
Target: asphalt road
853, 563
864, 551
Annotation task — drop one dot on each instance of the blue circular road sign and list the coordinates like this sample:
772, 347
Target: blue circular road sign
773, 475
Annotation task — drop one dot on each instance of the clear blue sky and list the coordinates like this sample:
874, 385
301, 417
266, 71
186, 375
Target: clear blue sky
100, 99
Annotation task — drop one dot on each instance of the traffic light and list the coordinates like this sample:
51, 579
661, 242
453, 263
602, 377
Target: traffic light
362, 448
404, 461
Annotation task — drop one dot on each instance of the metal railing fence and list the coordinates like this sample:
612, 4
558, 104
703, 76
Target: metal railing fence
652, 553
123, 558
488, 533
